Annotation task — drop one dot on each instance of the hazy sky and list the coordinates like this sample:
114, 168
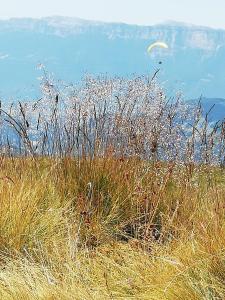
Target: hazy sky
203, 12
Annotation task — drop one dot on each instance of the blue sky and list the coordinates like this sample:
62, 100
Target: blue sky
201, 12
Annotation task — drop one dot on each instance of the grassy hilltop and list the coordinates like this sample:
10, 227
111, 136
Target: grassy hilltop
111, 191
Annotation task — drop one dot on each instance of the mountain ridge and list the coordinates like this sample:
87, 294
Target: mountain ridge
77, 20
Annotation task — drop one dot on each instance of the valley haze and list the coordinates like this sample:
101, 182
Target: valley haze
72, 47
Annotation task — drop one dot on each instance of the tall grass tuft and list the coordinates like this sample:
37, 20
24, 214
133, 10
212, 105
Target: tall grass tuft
109, 190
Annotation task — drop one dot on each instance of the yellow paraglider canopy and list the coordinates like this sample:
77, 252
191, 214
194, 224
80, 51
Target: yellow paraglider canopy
157, 44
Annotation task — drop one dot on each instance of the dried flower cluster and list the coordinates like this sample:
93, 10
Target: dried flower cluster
126, 117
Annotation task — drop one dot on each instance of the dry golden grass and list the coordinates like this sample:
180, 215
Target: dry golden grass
108, 191
111, 229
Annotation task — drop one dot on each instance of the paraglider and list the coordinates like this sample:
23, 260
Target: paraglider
157, 44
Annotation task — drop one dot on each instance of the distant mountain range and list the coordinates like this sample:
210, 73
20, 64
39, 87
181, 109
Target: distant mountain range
70, 47
215, 107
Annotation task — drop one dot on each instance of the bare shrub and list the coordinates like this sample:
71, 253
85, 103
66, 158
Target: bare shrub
126, 117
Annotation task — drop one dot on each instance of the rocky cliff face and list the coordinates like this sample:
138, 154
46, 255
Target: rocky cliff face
69, 47
176, 34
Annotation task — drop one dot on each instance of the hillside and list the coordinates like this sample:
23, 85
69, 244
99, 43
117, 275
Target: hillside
214, 106
69, 47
